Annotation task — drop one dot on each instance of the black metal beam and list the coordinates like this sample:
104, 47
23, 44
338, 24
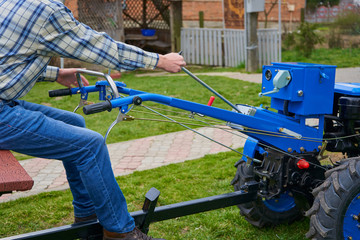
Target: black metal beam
93, 229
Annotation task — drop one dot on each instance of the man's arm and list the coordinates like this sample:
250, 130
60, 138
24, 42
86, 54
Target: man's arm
63, 35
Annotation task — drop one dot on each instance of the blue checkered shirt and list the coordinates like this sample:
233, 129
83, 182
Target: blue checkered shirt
32, 31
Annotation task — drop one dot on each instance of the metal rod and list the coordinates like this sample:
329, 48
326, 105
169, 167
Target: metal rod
209, 88
234, 150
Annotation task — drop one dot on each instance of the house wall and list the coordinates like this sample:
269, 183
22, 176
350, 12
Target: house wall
214, 13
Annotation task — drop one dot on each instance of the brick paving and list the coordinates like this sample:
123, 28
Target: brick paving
135, 155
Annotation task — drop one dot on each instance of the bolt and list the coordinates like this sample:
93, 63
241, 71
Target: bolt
300, 93
78, 91
288, 78
358, 197
355, 217
289, 149
349, 238
276, 200
302, 149
263, 88
319, 147
356, 145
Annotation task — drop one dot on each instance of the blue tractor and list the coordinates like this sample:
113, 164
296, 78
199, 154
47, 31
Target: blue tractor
283, 174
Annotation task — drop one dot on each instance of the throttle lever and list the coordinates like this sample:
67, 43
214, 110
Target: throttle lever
120, 117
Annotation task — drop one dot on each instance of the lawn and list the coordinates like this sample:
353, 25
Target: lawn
204, 177
208, 176
342, 58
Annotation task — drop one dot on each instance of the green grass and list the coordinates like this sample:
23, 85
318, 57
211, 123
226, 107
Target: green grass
204, 177
342, 58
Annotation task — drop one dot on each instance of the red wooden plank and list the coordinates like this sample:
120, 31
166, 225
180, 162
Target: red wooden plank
13, 176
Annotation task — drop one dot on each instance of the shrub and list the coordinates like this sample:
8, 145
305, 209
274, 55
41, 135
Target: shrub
349, 22
335, 40
306, 38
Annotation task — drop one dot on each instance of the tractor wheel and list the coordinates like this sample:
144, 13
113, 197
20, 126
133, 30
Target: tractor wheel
265, 213
335, 213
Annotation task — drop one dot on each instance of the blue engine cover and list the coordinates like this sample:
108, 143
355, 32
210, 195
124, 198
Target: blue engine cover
351, 89
309, 92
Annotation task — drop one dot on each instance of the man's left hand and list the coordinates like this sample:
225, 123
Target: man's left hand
67, 77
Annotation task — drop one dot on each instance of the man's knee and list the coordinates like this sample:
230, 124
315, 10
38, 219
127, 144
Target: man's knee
78, 120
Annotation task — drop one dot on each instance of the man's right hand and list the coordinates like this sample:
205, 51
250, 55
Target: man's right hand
171, 62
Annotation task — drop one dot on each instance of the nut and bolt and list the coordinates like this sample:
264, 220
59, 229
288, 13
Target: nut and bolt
300, 93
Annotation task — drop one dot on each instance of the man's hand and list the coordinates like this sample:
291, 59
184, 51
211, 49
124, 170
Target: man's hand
171, 62
67, 77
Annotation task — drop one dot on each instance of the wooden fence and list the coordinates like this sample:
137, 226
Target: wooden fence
226, 47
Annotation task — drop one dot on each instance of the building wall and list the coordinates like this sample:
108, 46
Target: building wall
214, 13
73, 6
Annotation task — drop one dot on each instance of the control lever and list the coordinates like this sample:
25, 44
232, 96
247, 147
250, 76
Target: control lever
84, 94
281, 80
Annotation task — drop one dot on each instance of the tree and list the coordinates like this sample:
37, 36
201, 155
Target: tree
273, 3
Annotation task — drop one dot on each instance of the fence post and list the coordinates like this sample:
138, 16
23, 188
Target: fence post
175, 24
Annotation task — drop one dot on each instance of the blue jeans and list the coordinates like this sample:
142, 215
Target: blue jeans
51, 133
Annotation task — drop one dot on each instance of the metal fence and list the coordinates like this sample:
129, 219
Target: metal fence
268, 43
202, 46
226, 47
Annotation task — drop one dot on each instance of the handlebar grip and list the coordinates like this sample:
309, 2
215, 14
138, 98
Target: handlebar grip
97, 107
60, 92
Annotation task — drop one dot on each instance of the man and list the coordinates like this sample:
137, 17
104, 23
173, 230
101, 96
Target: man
31, 31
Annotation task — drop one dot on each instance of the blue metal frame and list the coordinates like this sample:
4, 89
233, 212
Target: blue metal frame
265, 120
264, 125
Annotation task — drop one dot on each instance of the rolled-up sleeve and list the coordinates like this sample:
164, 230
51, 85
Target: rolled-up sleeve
49, 75
64, 36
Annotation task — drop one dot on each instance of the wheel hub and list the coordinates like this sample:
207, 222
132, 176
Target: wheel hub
351, 226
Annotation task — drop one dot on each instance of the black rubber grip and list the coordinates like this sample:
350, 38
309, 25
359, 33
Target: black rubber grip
60, 92
97, 107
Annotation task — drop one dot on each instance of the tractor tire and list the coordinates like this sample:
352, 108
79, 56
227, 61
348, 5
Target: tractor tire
335, 213
257, 212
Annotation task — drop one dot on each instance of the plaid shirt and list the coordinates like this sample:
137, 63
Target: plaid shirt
32, 31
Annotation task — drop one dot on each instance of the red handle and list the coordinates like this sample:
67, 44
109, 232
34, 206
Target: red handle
211, 100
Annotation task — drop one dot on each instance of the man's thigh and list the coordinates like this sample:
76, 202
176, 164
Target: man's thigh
55, 113
34, 133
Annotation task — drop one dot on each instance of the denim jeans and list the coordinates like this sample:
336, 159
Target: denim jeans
51, 133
